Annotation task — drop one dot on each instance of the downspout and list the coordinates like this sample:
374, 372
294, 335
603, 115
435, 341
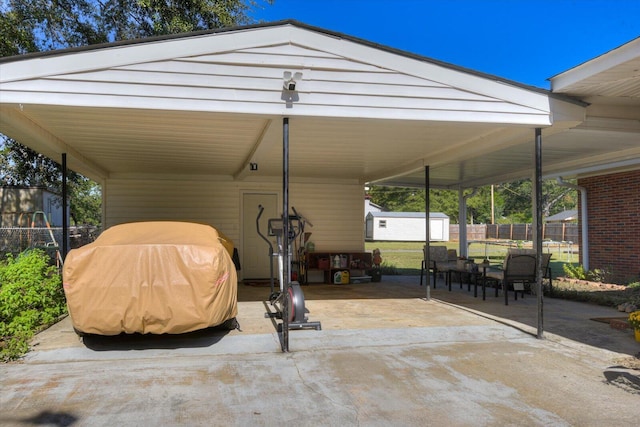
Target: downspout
462, 221
584, 223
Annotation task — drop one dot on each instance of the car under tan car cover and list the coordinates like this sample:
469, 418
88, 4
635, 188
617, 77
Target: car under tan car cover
151, 277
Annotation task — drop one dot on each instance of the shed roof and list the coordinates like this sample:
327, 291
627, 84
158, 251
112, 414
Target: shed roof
209, 104
564, 216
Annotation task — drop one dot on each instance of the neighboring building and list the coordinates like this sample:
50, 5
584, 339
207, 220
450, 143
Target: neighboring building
406, 226
370, 207
564, 216
19, 204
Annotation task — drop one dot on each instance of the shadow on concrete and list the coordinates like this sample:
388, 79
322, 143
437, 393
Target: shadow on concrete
49, 418
202, 338
568, 319
624, 378
565, 318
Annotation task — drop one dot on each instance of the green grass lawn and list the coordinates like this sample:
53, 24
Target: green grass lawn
406, 257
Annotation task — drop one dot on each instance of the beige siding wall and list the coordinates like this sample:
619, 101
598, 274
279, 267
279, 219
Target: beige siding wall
336, 210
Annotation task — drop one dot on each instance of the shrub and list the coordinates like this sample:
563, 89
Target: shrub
388, 269
31, 297
634, 285
574, 271
577, 271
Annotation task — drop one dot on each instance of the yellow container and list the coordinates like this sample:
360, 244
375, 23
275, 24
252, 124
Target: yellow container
345, 277
341, 277
637, 332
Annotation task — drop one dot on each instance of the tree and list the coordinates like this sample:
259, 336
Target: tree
126, 19
512, 201
41, 25
413, 200
19, 165
17, 35
518, 195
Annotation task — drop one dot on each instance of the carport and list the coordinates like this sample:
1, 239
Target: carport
168, 124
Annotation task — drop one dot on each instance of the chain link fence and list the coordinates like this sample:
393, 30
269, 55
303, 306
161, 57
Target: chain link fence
18, 239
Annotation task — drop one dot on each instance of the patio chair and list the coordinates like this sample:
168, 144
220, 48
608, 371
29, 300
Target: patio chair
518, 270
546, 261
438, 260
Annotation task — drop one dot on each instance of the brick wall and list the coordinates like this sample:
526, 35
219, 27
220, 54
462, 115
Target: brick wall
613, 204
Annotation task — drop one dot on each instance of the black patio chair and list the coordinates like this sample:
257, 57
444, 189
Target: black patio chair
517, 269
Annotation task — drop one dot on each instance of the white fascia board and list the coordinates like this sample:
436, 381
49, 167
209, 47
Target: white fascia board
271, 108
115, 56
422, 69
601, 169
597, 65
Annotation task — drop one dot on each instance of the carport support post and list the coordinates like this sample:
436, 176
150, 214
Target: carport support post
286, 276
427, 237
538, 218
65, 209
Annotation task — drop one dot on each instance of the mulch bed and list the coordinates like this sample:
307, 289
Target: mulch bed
614, 322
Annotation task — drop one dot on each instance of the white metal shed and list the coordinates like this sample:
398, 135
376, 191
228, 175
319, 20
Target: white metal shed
406, 226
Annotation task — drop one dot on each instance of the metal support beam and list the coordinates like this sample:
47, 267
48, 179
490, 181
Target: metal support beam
285, 236
65, 209
462, 224
427, 237
538, 221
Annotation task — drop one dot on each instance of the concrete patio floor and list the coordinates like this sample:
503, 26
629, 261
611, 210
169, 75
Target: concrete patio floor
385, 356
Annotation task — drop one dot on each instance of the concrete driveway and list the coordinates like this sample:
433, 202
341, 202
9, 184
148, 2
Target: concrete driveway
385, 356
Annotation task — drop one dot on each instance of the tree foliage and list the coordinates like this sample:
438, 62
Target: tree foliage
40, 25
512, 201
22, 166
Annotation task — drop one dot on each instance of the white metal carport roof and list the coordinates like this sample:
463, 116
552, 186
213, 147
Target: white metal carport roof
211, 103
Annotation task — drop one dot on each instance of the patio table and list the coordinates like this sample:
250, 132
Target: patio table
477, 275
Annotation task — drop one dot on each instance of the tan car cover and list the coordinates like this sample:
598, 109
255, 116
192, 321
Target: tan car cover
151, 277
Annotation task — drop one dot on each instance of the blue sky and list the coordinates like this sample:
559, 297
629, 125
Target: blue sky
523, 40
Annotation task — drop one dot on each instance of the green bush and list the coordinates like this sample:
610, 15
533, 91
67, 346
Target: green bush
387, 269
574, 271
577, 271
31, 297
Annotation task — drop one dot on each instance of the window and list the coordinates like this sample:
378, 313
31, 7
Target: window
382, 223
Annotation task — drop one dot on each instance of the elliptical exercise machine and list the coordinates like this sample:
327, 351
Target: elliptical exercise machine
293, 297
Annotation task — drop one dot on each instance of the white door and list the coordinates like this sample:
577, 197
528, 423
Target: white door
255, 251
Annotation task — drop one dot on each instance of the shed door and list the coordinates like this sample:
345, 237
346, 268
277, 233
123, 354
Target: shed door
255, 251
436, 229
